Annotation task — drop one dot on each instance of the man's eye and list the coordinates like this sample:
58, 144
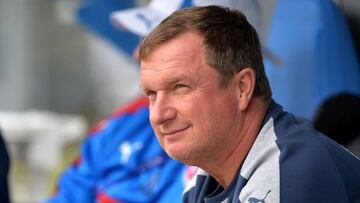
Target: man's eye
181, 88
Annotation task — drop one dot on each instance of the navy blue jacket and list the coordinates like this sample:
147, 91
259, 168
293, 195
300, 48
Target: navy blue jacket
289, 162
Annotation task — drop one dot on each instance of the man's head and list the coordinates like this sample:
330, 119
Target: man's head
230, 42
200, 79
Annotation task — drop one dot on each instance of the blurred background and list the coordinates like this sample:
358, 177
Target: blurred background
58, 77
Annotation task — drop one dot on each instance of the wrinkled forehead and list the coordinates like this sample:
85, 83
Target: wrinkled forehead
183, 46
156, 40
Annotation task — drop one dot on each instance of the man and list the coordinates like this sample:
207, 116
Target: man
211, 107
121, 161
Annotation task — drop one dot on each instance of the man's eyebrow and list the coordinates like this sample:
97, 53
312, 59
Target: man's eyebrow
176, 79
168, 81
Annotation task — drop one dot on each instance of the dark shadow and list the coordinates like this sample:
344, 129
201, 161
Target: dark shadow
339, 118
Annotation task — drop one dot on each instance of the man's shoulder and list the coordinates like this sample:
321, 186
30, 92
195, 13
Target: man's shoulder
313, 164
290, 153
298, 141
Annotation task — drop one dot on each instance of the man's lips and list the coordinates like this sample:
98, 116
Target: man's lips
174, 131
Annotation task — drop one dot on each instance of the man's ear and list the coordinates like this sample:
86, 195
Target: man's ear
245, 84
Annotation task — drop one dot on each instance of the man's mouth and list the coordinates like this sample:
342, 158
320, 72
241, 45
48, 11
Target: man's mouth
173, 131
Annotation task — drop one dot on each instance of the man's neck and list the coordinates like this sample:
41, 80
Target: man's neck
225, 171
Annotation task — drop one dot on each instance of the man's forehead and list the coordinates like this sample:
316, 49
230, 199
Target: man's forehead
187, 42
168, 75
177, 60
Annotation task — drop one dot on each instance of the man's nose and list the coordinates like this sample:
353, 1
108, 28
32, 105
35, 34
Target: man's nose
161, 110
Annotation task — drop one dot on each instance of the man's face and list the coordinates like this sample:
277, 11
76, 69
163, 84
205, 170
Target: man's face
194, 119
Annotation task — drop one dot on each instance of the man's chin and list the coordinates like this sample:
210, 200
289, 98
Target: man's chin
179, 154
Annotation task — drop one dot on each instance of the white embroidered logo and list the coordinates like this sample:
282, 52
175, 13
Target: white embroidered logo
127, 148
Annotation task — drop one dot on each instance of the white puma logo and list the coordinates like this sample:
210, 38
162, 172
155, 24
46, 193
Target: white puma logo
255, 200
